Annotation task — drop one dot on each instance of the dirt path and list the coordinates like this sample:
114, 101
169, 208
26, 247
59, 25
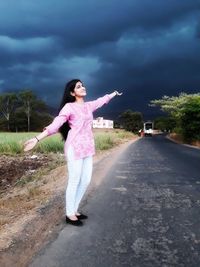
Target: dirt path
26, 235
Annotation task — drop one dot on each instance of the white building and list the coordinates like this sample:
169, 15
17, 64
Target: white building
101, 123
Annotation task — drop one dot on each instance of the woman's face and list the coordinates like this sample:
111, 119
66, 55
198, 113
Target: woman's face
79, 90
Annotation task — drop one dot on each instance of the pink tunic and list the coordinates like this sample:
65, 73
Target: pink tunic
79, 117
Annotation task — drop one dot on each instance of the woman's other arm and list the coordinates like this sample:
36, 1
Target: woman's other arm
31, 143
52, 128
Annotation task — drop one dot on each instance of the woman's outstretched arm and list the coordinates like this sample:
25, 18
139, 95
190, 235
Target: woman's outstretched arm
103, 100
50, 129
31, 143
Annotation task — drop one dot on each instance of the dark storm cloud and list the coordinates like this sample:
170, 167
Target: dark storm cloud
75, 18
147, 48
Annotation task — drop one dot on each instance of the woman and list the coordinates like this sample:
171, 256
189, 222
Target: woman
74, 122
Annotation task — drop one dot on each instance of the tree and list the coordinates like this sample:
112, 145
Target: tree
174, 105
7, 106
39, 120
165, 123
131, 121
190, 120
30, 103
185, 110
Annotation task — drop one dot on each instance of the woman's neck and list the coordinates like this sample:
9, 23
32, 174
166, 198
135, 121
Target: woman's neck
79, 100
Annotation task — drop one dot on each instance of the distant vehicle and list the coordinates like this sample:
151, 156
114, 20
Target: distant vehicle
148, 128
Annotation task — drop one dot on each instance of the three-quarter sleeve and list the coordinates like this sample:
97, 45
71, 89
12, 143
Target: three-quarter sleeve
59, 120
99, 102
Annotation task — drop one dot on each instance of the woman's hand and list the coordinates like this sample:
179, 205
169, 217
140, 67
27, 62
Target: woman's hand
30, 144
117, 93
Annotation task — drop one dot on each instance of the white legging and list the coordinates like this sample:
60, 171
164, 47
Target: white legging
79, 176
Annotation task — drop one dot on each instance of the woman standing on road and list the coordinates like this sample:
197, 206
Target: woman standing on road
74, 122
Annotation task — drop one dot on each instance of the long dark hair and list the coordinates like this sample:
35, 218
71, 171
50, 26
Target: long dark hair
67, 98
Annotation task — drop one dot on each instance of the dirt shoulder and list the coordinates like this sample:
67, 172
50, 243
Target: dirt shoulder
177, 138
32, 223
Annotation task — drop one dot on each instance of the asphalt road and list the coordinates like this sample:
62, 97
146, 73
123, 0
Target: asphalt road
145, 213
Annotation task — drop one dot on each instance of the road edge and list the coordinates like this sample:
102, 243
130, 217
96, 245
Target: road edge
176, 142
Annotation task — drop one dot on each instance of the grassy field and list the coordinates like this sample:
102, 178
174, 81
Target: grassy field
12, 143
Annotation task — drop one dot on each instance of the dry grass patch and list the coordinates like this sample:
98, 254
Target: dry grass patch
12, 206
178, 138
196, 143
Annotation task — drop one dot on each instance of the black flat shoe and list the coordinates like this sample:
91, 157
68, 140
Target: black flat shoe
75, 223
82, 217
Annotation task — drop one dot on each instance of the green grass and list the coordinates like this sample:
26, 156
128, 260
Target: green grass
106, 139
103, 141
12, 143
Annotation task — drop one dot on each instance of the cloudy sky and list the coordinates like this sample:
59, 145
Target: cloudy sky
145, 48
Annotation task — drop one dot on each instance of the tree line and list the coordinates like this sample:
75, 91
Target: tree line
183, 115
22, 111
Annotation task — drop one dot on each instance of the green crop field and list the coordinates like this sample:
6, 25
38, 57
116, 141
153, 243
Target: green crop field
12, 143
